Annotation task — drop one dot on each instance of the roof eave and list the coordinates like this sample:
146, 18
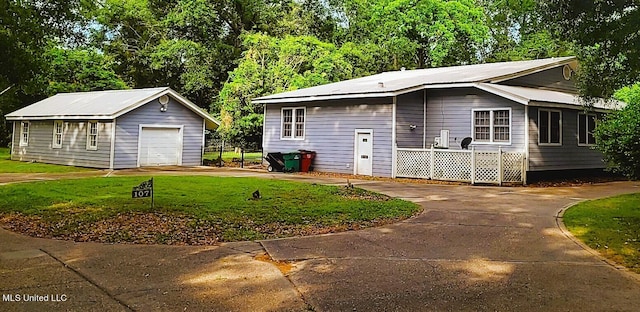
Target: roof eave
530, 71
60, 117
211, 123
360, 95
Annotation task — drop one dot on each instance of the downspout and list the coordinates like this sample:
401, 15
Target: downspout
526, 144
424, 122
264, 128
394, 150
13, 140
204, 127
112, 153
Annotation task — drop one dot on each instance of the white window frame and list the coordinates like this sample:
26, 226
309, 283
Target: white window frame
24, 135
586, 134
89, 135
549, 111
56, 134
492, 126
293, 123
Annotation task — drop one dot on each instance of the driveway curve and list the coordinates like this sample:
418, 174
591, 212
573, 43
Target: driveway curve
471, 249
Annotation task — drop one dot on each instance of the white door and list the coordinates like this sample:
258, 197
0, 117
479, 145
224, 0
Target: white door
364, 152
160, 146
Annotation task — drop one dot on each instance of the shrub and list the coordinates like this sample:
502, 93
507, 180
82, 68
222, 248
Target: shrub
618, 135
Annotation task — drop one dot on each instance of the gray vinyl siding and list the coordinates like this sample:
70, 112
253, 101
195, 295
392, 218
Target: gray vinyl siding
330, 131
128, 125
410, 111
452, 110
550, 79
567, 156
74, 144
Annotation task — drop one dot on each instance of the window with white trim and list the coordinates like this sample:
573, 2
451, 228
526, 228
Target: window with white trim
293, 123
586, 126
92, 135
24, 133
549, 127
57, 134
492, 125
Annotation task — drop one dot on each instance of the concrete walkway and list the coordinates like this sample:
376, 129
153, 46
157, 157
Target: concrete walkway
472, 249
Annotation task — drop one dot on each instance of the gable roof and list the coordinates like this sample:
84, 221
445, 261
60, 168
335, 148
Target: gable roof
101, 105
399, 82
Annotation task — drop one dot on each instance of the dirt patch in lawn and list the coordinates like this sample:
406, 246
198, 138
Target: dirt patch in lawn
179, 229
158, 228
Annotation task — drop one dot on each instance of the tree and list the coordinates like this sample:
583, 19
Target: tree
27, 29
76, 70
518, 31
189, 45
608, 39
416, 34
618, 135
271, 65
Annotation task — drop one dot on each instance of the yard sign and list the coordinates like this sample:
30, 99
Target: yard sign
145, 189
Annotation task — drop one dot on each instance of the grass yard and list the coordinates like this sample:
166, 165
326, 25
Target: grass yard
228, 157
11, 166
191, 209
611, 226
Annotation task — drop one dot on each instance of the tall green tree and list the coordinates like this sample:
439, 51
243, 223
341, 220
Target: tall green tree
271, 65
518, 31
27, 30
416, 34
78, 70
608, 39
189, 45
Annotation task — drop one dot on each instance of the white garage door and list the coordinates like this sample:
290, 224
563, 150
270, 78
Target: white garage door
160, 146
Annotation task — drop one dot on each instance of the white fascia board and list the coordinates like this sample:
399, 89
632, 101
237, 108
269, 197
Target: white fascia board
501, 93
61, 117
532, 70
324, 98
195, 108
178, 98
449, 85
139, 103
567, 106
360, 95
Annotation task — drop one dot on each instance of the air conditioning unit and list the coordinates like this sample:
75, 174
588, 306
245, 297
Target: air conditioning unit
444, 139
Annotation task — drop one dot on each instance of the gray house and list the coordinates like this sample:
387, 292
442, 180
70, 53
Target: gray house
111, 129
519, 118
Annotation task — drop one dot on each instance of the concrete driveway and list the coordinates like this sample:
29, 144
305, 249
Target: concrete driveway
472, 249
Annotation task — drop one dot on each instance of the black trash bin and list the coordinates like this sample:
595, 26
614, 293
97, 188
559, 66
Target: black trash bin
276, 162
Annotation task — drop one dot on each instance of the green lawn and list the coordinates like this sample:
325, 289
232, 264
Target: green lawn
228, 157
11, 166
611, 226
191, 207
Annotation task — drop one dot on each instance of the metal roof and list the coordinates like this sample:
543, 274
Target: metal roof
101, 105
542, 97
398, 82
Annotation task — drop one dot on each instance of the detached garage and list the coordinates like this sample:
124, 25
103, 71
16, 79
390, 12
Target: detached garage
111, 129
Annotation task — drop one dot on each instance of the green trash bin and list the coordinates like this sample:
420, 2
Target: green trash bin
291, 162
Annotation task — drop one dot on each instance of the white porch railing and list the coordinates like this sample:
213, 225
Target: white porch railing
460, 165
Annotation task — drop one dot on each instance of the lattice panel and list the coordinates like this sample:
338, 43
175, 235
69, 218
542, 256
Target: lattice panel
486, 167
452, 166
456, 165
413, 164
512, 167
